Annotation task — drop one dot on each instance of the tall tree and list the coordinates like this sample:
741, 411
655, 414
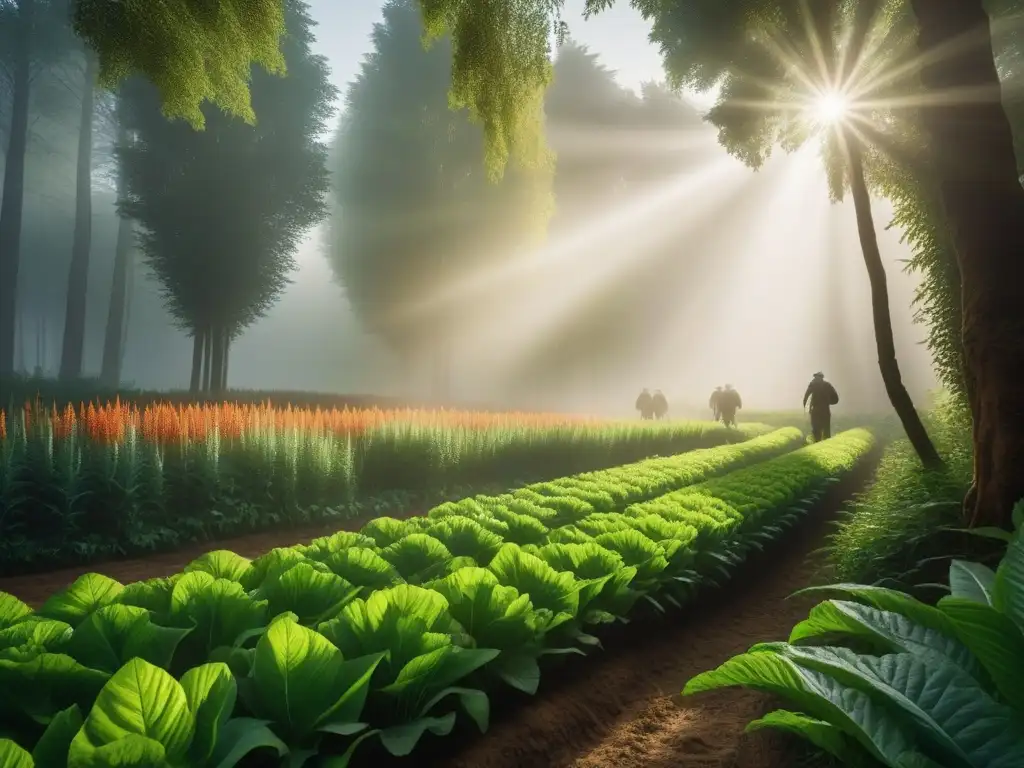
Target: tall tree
980, 189
73, 345
34, 35
222, 210
120, 287
414, 207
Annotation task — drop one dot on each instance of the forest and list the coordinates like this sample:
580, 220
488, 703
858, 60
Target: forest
315, 437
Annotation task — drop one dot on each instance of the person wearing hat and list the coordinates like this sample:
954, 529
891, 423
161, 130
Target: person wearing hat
822, 396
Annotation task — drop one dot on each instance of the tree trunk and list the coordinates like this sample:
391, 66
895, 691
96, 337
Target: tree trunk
224, 362
216, 372
207, 357
973, 155
14, 187
113, 339
887, 362
196, 379
73, 347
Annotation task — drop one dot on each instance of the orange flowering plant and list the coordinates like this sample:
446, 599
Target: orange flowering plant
114, 478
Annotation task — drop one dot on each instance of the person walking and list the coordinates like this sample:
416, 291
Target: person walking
659, 404
645, 404
728, 404
822, 396
715, 403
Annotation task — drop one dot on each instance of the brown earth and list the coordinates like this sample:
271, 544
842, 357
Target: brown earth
624, 710
34, 588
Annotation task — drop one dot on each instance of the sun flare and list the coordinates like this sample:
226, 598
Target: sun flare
830, 108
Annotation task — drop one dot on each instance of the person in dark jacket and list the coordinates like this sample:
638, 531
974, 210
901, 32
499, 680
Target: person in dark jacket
715, 403
659, 404
822, 397
728, 404
645, 404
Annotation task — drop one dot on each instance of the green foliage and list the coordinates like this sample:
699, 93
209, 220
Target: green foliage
76, 498
196, 194
893, 529
879, 676
324, 672
414, 208
193, 51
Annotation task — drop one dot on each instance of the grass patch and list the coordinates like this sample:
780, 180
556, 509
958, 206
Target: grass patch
891, 531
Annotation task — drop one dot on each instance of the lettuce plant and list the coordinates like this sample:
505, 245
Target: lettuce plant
880, 677
412, 627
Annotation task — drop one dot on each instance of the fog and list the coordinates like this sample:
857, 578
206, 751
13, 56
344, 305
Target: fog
702, 274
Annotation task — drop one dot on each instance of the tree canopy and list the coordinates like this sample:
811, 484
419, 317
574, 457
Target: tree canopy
414, 204
191, 50
223, 210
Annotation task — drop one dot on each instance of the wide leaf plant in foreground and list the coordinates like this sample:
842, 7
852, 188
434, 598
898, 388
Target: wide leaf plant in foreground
413, 688
879, 677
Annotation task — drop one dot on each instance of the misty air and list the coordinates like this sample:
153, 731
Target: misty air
548, 383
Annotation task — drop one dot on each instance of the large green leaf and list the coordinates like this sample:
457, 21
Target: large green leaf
855, 713
152, 594
401, 740
1008, 593
417, 557
891, 632
403, 621
38, 634
947, 705
995, 641
276, 560
549, 589
221, 564
139, 700
239, 737
210, 691
131, 751
822, 734
495, 616
887, 600
310, 594
45, 684
12, 610
426, 676
301, 680
466, 538
363, 567
13, 756
219, 609
112, 635
971, 581
51, 750
86, 594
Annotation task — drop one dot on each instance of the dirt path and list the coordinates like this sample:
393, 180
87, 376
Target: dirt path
623, 709
34, 588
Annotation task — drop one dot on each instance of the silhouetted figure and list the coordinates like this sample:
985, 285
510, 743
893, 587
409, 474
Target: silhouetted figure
715, 403
728, 403
645, 404
822, 396
659, 404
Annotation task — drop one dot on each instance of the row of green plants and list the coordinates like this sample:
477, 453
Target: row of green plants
388, 633
877, 677
66, 498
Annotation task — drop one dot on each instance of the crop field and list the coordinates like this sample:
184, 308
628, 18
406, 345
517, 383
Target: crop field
80, 485
359, 644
